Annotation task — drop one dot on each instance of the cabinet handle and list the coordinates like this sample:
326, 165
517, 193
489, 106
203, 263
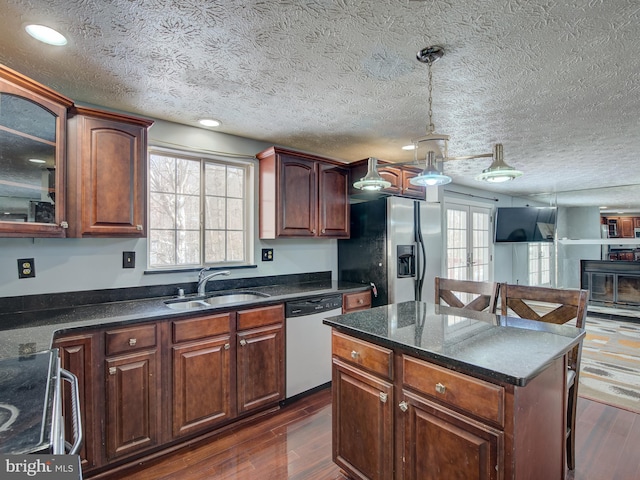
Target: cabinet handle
112, 370
440, 388
227, 346
313, 231
354, 354
324, 231
383, 397
64, 224
360, 301
243, 342
404, 406
139, 227
132, 342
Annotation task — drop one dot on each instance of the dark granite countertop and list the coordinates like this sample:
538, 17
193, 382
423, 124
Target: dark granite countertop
505, 349
35, 330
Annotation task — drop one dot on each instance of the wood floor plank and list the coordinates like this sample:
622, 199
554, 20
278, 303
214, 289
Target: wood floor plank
295, 444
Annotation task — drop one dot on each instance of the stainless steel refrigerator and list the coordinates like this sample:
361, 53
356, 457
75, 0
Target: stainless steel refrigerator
396, 246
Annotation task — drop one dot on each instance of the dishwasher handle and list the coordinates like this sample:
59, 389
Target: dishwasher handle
76, 419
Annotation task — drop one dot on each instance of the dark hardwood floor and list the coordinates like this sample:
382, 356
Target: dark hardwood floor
295, 443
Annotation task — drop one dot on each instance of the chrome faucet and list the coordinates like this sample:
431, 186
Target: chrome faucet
202, 279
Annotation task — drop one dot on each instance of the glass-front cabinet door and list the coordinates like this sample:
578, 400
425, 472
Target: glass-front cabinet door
32, 154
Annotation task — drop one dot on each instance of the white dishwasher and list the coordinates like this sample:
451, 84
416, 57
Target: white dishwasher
308, 342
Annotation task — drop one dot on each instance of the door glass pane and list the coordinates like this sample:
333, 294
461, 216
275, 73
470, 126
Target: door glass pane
27, 161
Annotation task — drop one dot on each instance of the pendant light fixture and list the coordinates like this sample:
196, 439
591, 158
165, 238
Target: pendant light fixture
430, 176
372, 180
437, 144
498, 171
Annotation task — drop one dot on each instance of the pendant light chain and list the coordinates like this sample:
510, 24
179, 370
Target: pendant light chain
431, 128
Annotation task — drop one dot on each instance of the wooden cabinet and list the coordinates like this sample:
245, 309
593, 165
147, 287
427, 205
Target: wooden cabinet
621, 227
132, 390
441, 443
363, 422
352, 302
106, 174
302, 195
399, 176
397, 416
625, 227
260, 357
32, 141
201, 373
76, 355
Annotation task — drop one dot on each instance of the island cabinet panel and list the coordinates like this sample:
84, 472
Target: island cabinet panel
302, 195
76, 355
362, 423
133, 391
107, 173
440, 443
201, 385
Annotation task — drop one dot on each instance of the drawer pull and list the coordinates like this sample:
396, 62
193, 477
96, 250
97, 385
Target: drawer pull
360, 301
383, 397
404, 406
139, 228
112, 370
440, 388
132, 342
227, 346
243, 342
354, 354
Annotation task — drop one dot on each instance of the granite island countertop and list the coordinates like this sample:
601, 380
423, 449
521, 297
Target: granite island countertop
505, 349
35, 330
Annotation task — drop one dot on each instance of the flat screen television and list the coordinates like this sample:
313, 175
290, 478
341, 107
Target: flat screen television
525, 224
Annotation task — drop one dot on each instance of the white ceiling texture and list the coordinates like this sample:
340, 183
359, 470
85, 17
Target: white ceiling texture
557, 82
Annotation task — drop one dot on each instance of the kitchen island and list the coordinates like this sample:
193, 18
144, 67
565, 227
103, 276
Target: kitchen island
425, 392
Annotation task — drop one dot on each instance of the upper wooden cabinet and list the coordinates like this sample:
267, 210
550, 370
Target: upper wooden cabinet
302, 195
621, 227
32, 168
106, 174
399, 176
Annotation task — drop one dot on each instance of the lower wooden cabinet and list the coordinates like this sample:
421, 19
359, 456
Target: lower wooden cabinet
362, 423
441, 443
397, 416
153, 384
132, 397
76, 355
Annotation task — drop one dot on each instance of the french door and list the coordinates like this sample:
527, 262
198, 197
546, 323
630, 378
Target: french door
468, 242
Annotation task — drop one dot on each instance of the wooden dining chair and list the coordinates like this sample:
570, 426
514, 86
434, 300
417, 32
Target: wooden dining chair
468, 294
559, 306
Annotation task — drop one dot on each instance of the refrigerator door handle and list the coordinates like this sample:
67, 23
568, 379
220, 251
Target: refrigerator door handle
421, 254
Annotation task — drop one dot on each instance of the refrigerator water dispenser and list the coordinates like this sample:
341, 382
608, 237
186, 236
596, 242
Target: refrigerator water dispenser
406, 261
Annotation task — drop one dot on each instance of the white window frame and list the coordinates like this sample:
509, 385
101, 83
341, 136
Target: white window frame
241, 161
538, 263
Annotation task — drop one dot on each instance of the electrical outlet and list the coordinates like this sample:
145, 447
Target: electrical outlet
26, 268
128, 259
267, 254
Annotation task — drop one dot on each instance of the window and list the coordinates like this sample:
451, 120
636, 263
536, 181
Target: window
199, 211
539, 264
467, 242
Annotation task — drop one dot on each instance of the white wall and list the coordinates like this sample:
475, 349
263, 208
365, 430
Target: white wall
64, 265
577, 223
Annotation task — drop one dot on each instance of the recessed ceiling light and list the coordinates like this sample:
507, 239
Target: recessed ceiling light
409, 147
46, 35
209, 122
37, 160
603, 207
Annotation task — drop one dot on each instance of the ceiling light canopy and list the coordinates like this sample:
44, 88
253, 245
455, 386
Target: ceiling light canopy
46, 35
372, 180
498, 171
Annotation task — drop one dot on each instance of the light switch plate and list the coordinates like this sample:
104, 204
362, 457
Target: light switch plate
128, 259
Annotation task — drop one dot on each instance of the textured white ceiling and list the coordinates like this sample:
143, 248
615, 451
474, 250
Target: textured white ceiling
556, 81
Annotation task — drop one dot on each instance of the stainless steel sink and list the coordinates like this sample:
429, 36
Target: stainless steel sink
235, 298
215, 300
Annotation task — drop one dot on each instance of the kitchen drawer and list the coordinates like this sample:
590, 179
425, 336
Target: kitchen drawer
473, 396
376, 359
259, 317
201, 327
130, 339
352, 302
